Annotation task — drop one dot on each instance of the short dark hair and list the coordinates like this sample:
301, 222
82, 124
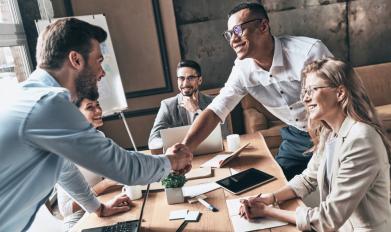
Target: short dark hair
254, 8
191, 64
63, 36
90, 95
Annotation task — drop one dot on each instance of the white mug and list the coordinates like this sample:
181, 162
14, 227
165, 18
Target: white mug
233, 142
133, 192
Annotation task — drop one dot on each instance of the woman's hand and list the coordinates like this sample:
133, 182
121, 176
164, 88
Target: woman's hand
118, 204
252, 208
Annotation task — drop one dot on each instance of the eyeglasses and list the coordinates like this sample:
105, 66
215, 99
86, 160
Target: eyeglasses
310, 90
237, 30
189, 78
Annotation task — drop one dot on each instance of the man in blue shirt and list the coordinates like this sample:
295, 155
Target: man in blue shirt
42, 132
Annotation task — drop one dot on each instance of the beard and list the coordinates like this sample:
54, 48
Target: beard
86, 84
189, 93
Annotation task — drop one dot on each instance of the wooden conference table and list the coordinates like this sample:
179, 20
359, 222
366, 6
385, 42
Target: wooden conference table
157, 210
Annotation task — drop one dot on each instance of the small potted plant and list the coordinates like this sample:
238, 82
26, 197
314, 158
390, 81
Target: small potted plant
173, 185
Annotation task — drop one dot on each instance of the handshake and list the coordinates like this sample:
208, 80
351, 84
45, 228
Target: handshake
180, 158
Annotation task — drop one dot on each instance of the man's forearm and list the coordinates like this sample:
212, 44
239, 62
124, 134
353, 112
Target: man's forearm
201, 128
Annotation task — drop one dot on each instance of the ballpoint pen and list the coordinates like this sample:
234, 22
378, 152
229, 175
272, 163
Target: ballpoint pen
207, 205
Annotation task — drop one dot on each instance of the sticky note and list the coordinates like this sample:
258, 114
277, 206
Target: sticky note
178, 214
192, 216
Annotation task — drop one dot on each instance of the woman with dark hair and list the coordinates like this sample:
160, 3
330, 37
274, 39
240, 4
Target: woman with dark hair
351, 161
70, 209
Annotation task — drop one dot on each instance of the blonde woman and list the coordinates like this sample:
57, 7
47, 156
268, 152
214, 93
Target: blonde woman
351, 161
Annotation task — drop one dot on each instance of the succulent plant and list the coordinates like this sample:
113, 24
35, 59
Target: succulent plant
174, 181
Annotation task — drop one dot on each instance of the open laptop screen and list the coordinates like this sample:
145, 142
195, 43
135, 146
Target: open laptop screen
213, 143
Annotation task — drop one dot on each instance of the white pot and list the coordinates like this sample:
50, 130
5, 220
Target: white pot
174, 195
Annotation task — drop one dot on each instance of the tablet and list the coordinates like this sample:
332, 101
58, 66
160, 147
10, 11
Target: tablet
245, 180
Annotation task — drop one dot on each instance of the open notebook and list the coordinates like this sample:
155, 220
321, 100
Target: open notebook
241, 224
222, 159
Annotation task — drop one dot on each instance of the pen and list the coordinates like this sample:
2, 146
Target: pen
207, 205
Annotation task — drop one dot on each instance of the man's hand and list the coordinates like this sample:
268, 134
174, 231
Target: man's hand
118, 204
180, 158
190, 104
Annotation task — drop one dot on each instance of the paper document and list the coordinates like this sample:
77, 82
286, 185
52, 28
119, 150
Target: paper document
241, 224
195, 190
222, 159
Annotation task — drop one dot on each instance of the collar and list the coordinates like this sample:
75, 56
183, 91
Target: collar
345, 127
43, 76
277, 55
278, 60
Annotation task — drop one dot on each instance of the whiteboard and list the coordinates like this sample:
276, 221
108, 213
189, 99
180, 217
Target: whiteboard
111, 92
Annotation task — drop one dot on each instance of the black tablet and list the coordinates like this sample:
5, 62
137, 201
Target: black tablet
245, 180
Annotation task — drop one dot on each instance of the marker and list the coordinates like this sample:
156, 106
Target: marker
207, 205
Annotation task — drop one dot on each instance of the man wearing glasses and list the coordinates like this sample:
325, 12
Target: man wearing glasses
268, 68
182, 109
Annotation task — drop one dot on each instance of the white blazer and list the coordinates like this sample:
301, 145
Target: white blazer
357, 199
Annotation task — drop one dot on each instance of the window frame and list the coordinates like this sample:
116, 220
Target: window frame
13, 34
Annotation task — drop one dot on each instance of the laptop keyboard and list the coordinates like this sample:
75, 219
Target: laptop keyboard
127, 226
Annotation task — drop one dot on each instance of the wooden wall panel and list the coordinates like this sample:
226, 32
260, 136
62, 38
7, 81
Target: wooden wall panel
140, 127
145, 41
136, 45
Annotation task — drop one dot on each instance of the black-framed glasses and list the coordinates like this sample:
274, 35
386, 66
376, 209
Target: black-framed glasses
311, 89
189, 78
237, 30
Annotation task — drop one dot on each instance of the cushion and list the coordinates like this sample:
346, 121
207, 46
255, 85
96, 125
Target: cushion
384, 113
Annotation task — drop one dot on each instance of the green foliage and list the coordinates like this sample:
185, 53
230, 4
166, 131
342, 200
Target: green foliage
174, 181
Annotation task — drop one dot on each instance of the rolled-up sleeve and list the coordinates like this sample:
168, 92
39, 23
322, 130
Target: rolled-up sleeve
57, 126
229, 96
318, 51
72, 181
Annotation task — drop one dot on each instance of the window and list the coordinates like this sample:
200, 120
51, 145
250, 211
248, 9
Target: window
15, 65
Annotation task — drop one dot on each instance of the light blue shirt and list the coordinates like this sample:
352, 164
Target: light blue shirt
40, 130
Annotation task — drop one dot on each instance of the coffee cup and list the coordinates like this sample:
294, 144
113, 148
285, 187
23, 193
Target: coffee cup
133, 192
233, 142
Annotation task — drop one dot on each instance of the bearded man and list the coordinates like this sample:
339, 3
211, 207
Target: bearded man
43, 133
182, 109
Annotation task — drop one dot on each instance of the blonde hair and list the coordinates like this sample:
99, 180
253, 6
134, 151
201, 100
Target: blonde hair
356, 103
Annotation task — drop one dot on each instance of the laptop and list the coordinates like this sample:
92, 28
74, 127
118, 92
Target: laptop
126, 226
213, 143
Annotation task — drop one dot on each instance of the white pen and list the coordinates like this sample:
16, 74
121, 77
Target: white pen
207, 205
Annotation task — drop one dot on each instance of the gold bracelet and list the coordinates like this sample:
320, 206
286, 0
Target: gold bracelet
101, 210
275, 202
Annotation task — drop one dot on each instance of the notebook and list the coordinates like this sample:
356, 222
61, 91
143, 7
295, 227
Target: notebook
213, 143
241, 224
222, 159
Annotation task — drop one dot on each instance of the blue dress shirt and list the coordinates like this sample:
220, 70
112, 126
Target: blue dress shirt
40, 132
